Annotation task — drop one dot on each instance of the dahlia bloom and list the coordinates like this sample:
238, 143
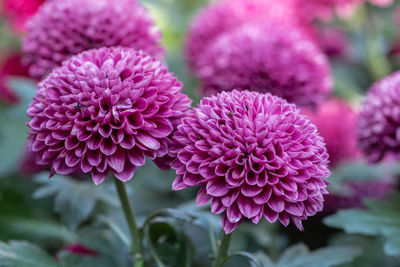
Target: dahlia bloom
61, 29
325, 9
381, 3
378, 125
79, 249
10, 66
252, 155
333, 41
266, 58
354, 193
17, 12
103, 111
28, 166
225, 15
336, 122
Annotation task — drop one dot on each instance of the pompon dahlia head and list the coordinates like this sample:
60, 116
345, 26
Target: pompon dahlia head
336, 122
266, 58
325, 9
103, 111
252, 155
62, 28
224, 15
10, 66
378, 125
353, 193
17, 12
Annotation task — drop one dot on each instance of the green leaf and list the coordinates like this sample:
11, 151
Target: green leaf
171, 213
13, 131
41, 229
300, 256
372, 250
74, 200
380, 219
23, 254
168, 246
254, 262
107, 246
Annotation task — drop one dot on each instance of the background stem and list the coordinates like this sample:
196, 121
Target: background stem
223, 247
136, 246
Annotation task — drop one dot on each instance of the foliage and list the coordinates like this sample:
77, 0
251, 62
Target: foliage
299, 255
379, 219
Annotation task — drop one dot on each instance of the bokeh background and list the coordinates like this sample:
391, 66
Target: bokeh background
76, 222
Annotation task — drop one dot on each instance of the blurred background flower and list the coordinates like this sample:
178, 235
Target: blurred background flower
61, 29
17, 12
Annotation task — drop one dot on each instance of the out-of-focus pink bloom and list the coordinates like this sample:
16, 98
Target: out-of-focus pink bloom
395, 50
17, 12
61, 29
333, 41
29, 167
354, 192
270, 58
10, 66
378, 125
105, 110
253, 155
336, 122
326, 9
382, 3
226, 15
80, 249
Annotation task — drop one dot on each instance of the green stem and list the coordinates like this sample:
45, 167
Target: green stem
223, 247
136, 233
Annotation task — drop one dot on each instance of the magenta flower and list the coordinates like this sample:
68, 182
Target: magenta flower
28, 166
103, 111
325, 9
355, 192
17, 12
378, 124
266, 58
226, 15
252, 155
336, 122
333, 41
79, 249
10, 66
61, 29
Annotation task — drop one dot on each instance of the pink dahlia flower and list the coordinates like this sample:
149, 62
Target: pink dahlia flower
103, 111
336, 122
333, 41
61, 29
17, 12
325, 9
378, 125
79, 249
252, 155
355, 192
28, 166
381, 3
266, 58
224, 15
10, 66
